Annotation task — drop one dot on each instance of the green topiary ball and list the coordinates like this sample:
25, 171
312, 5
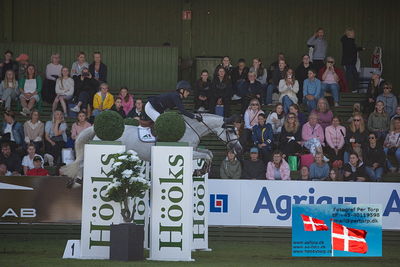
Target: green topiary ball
109, 125
131, 121
169, 127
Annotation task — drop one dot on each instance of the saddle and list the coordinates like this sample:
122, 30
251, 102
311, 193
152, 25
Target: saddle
145, 135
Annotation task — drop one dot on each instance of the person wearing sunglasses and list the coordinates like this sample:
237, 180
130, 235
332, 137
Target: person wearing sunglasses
288, 89
356, 137
290, 138
375, 88
378, 122
392, 145
374, 158
330, 81
389, 99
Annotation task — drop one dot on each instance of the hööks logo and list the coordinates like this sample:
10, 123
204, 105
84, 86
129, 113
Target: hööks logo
219, 203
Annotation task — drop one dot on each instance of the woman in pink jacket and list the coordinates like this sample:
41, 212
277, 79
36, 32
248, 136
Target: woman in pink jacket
313, 134
334, 137
278, 168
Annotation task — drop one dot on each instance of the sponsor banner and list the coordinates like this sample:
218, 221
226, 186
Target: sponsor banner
200, 207
337, 230
171, 220
34, 199
269, 203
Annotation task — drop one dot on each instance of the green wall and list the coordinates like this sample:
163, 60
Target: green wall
251, 28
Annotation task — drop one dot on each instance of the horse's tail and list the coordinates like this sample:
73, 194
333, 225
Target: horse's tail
74, 169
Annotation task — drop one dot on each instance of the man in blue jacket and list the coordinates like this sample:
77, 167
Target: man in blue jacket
157, 105
12, 130
263, 138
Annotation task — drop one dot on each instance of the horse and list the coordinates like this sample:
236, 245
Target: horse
211, 124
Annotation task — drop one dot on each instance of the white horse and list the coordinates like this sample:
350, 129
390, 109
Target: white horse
212, 124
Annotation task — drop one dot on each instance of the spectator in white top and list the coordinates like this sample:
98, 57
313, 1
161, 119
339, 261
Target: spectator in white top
276, 119
330, 81
79, 64
320, 47
64, 90
288, 89
27, 161
30, 88
53, 71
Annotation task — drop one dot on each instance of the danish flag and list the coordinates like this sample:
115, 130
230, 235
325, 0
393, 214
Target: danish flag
348, 239
312, 224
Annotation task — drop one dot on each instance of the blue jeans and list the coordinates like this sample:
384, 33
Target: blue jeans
374, 174
96, 112
346, 157
352, 76
389, 164
270, 90
334, 88
287, 102
311, 104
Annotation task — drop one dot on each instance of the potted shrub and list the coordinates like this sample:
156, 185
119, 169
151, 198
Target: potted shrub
128, 183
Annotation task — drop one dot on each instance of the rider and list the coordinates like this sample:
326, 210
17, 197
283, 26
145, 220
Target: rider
156, 105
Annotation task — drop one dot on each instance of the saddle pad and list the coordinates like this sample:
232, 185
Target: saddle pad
145, 135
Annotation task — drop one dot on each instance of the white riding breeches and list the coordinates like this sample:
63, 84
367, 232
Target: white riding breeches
151, 112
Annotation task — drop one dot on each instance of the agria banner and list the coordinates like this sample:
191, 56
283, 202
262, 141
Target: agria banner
269, 203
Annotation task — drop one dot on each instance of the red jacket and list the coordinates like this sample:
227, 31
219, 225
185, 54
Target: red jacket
37, 172
340, 74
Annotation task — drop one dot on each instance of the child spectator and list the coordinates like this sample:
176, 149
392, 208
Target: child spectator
389, 99
202, 93
27, 161
290, 138
11, 159
55, 138
334, 176
354, 170
319, 170
64, 90
30, 88
138, 111
379, 122
80, 125
263, 138
98, 69
38, 169
253, 168
304, 174
335, 142
288, 89
276, 119
374, 158
102, 100
323, 112
34, 130
117, 107
79, 64
53, 72
392, 145
311, 90
9, 89
278, 168
4, 171
127, 100
231, 168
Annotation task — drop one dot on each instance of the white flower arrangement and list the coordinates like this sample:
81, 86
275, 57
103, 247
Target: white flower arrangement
128, 182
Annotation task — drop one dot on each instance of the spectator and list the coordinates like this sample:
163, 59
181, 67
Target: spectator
288, 89
53, 72
356, 110
261, 73
335, 142
230, 167
34, 131
117, 107
320, 47
312, 135
304, 173
278, 168
276, 119
330, 80
250, 89
349, 58
102, 100
38, 169
138, 112
55, 138
30, 88
85, 89
11, 159
240, 132
294, 108
222, 90
392, 145
127, 100
277, 75
98, 69
354, 170
226, 65
375, 158
238, 77
79, 64
253, 168
356, 137
4, 171
379, 122
9, 89
397, 114
323, 112
8, 64
27, 161
389, 99
263, 138
290, 139
319, 170
12, 130
274, 65
302, 74
251, 119
334, 176
23, 63
311, 90
64, 90
375, 88
80, 125
203, 93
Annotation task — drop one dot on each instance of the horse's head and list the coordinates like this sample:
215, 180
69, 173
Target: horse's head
229, 136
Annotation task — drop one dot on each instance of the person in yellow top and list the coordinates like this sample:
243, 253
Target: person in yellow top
102, 100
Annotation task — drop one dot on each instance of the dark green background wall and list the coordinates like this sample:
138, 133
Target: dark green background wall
251, 28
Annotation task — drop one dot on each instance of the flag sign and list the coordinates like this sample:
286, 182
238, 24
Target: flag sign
313, 224
326, 230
